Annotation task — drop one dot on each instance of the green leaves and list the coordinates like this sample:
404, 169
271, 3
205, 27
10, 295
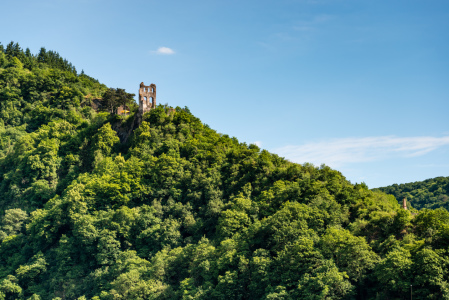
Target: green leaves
105, 139
394, 271
324, 282
108, 248
431, 193
113, 98
181, 211
232, 221
12, 222
9, 289
28, 274
351, 254
67, 97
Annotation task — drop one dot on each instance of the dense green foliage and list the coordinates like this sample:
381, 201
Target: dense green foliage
431, 193
113, 98
180, 211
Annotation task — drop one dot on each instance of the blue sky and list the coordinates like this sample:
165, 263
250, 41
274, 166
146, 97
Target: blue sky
359, 85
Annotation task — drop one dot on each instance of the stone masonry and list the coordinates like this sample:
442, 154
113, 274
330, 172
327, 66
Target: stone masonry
147, 97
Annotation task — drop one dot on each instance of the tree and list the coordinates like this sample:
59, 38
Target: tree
113, 98
9, 289
351, 254
324, 282
430, 274
393, 273
105, 139
12, 222
124, 99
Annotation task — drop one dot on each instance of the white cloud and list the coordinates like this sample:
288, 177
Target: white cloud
338, 152
164, 51
258, 143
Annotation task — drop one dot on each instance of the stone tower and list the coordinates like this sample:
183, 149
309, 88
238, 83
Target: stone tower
404, 203
147, 97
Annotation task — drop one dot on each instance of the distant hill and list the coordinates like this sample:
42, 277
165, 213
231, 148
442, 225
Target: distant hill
431, 193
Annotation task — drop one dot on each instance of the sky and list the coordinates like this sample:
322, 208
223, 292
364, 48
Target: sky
359, 85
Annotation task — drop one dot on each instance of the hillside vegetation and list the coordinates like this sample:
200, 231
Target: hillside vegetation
431, 193
180, 211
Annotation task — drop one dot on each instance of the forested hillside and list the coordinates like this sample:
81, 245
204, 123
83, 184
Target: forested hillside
180, 211
431, 193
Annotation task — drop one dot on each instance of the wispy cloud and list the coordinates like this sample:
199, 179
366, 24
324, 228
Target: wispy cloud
338, 152
164, 51
257, 143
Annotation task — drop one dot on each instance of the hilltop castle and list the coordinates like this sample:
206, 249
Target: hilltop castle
147, 97
147, 100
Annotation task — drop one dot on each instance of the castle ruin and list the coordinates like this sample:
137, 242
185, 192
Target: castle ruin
147, 97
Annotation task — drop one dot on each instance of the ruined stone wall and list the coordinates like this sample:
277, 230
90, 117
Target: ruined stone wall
147, 101
122, 110
147, 97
